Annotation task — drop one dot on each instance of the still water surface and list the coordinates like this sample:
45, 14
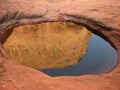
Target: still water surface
59, 49
100, 58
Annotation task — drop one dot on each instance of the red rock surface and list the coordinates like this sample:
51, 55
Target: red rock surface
101, 17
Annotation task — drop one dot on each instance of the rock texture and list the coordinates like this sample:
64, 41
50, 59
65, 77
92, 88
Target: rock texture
101, 17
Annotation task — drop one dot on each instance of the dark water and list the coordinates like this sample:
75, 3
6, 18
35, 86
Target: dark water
100, 58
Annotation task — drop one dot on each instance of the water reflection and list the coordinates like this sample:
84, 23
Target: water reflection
100, 58
48, 45
57, 48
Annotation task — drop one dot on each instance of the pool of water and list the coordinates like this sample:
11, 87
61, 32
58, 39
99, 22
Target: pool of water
100, 58
60, 49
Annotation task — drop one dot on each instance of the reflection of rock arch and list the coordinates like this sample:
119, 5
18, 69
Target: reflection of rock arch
95, 15
56, 42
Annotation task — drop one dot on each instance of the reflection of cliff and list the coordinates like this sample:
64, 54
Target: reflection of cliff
48, 45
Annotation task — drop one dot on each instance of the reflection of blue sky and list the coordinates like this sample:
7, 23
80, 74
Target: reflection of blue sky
100, 58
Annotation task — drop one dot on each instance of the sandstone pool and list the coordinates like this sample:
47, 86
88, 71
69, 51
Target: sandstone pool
60, 49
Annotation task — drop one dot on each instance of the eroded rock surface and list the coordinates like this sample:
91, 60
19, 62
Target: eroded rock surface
101, 17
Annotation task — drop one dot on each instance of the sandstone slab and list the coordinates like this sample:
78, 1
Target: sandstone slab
101, 17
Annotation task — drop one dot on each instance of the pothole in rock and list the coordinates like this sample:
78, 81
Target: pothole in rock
60, 48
